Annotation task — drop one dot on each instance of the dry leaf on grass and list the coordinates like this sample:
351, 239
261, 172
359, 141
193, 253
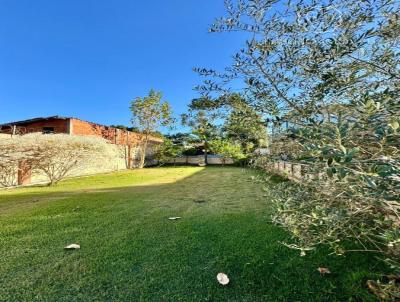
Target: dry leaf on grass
395, 278
375, 288
73, 246
222, 279
388, 290
323, 270
174, 218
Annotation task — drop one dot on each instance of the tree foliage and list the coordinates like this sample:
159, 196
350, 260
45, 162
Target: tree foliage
331, 71
302, 56
167, 151
182, 139
148, 114
226, 149
202, 124
237, 120
244, 126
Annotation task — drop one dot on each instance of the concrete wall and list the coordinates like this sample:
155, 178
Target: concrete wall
198, 159
119, 157
2, 135
96, 165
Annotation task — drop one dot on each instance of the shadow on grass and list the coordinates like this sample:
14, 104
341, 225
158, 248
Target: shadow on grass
131, 251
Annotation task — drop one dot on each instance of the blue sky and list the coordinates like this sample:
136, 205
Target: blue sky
89, 58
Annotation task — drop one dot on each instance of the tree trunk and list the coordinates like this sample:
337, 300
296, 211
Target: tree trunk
205, 152
143, 152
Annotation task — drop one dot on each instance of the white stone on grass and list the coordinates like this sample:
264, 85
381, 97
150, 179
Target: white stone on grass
174, 218
222, 279
73, 246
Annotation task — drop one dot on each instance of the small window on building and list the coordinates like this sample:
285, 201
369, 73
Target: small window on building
48, 130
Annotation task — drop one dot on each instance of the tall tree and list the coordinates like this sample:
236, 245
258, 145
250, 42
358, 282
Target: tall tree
203, 127
244, 125
148, 114
227, 150
168, 151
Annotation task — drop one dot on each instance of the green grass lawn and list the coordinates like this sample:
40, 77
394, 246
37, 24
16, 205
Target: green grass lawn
130, 251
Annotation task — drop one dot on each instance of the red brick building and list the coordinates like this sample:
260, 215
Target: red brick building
74, 126
127, 140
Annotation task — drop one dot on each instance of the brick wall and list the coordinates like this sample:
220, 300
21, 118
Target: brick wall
114, 135
59, 125
79, 127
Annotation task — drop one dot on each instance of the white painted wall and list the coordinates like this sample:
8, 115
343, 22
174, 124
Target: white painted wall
195, 160
117, 159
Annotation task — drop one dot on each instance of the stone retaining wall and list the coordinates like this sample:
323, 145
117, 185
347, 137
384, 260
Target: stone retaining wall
293, 171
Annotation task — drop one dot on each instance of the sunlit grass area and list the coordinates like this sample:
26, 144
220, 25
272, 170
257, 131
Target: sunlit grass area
130, 251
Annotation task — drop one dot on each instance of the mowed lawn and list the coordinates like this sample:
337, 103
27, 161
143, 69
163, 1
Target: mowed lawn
130, 251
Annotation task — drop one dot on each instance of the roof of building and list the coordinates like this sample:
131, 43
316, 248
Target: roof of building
36, 119
57, 117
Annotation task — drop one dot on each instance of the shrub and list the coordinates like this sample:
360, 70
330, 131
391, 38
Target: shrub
226, 149
13, 151
167, 151
54, 155
355, 198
